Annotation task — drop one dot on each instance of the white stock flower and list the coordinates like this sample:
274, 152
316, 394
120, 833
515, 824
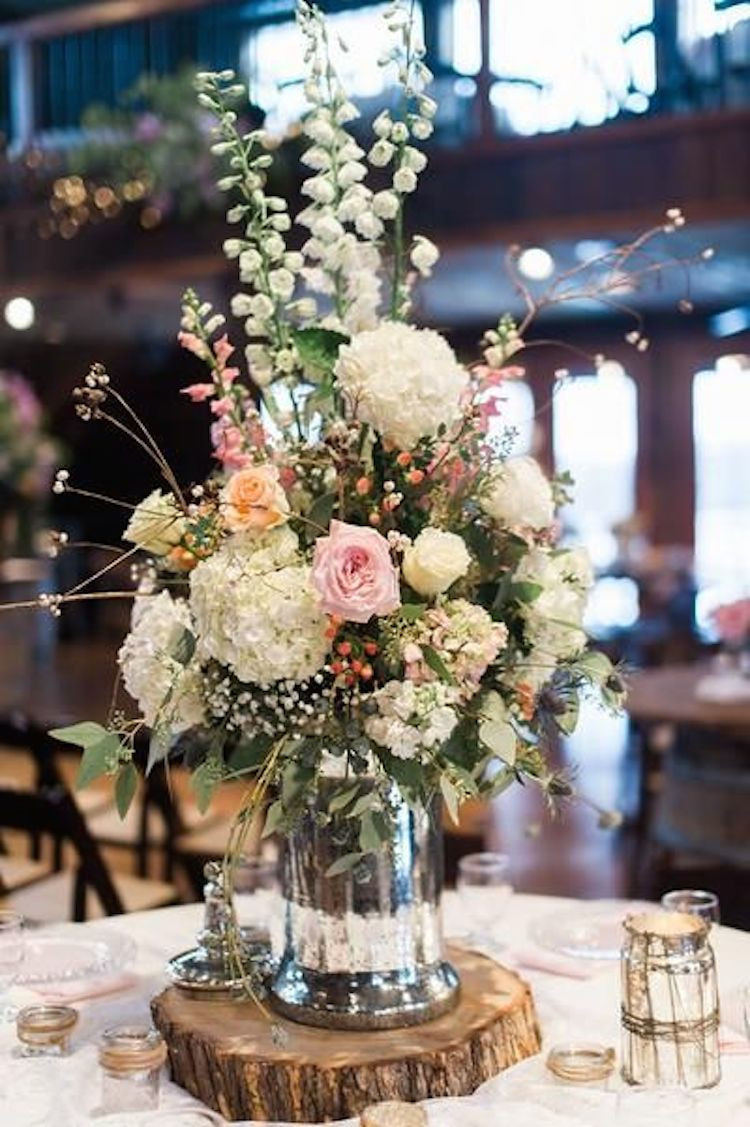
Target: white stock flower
241, 305
294, 261
381, 153
519, 495
250, 264
153, 678
353, 203
156, 525
404, 181
319, 130
316, 158
411, 717
320, 189
368, 225
326, 229
274, 245
385, 204
259, 363
256, 610
281, 283
233, 248
435, 561
424, 255
554, 618
405, 382
350, 173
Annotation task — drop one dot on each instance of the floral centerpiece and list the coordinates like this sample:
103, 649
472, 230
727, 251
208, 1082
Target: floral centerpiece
27, 460
365, 606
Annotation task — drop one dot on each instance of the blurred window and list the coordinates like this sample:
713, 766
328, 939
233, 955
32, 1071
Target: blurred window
721, 436
555, 69
700, 19
276, 67
466, 37
595, 434
515, 412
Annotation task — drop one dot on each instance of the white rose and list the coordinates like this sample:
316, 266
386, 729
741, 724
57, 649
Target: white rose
405, 382
435, 561
156, 525
519, 495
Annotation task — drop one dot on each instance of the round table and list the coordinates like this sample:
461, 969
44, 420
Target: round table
66, 1092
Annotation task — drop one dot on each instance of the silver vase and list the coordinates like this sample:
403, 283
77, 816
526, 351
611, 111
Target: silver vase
363, 949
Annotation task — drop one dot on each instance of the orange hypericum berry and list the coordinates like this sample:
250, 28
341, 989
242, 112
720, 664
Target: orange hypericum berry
371, 648
337, 667
343, 649
356, 666
363, 486
404, 459
366, 673
331, 632
415, 477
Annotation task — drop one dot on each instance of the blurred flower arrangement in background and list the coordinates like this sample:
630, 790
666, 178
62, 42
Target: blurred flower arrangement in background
27, 459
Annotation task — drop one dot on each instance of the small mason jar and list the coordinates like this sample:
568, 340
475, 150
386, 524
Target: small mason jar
670, 1002
44, 1031
581, 1063
131, 1058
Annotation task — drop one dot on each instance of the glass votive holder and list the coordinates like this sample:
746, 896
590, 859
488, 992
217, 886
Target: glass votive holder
581, 1063
131, 1058
695, 901
44, 1031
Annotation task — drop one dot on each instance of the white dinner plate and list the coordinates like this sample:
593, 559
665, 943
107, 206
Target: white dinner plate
66, 953
589, 931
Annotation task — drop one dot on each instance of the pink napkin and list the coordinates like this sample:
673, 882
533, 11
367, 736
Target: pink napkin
69, 992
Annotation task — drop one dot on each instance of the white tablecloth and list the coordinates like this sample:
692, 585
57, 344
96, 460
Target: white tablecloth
66, 1092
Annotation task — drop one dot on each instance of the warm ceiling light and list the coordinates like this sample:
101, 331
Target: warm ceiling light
19, 313
536, 263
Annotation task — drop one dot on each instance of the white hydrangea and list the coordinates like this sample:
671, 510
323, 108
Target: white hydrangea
404, 381
163, 688
412, 718
256, 610
554, 619
519, 495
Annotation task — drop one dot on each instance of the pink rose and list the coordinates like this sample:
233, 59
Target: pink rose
354, 574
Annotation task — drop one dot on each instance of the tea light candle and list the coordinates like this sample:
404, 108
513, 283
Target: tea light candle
44, 1031
394, 1114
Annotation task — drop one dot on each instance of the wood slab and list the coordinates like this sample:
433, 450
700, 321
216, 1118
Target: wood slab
223, 1052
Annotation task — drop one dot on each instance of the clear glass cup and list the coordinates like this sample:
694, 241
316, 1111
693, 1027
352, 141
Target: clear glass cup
131, 1059
256, 895
12, 951
655, 1107
484, 886
45, 1030
694, 901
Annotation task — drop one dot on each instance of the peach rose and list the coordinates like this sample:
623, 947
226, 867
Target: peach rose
354, 574
253, 500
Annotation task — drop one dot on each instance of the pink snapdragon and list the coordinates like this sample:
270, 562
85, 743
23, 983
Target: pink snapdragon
199, 392
354, 574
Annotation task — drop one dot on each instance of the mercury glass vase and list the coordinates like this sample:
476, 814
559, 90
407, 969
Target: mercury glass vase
363, 949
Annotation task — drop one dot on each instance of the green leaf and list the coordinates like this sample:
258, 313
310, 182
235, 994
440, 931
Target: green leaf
183, 648
343, 864
125, 787
343, 798
98, 759
492, 706
203, 782
82, 735
318, 348
370, 835
274, 819
566, 721
499, 737
294, 781
364, 802
525, 592
437, 665
158, 747
451, 798
594, 665
412, 612
250, 753
321, 510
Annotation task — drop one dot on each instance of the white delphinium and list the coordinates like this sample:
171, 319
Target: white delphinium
342, 257
256, 611
265, 265
166, 690
394, 146
412, 719
404, 381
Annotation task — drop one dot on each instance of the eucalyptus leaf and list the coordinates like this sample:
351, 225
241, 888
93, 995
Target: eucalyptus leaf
343, 798
437, 665
343, 864
594, 665
249, 753
274, 819
203, 782
451, 798
125, 787
158, 747
183, 649
82, 735
98, 759
321, 510
370, 839
499, 737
